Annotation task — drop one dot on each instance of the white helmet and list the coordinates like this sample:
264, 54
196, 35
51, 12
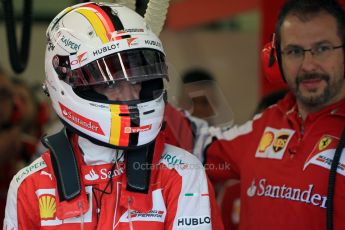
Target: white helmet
102, 43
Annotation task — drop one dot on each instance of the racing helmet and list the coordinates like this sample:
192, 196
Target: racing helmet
104, 43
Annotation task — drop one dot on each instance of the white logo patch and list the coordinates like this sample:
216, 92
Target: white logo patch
325, 159
157, 213
35, 166
323, 153
47, 174
193, 221
50, 218
273, 143
91, 175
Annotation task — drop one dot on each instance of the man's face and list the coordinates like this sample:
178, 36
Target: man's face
316, 79
121, 91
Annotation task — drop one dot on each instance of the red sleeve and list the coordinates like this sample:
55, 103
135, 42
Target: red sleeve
28, 211
178, 130
22, 210
229, 199
217, 222
219, 165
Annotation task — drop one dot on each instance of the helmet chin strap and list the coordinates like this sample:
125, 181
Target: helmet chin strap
138, 168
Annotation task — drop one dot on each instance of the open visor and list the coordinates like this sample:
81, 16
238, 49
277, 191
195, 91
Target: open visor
132, 65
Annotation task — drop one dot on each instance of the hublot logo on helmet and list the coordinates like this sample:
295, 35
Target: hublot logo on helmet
153, 43
105, 49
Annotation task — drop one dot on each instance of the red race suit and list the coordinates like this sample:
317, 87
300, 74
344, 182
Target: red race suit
179, 196
283, 164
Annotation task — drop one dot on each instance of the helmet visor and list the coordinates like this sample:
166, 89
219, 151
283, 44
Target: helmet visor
135, 65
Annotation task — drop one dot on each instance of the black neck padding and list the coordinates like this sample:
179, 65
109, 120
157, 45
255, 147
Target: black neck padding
138, 168
64, 164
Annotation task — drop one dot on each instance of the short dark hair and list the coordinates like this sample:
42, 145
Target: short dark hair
305, 9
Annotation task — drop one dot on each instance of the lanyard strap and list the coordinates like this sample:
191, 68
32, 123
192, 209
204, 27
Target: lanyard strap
331, 180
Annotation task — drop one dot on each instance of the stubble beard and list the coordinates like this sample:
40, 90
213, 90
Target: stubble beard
314, 99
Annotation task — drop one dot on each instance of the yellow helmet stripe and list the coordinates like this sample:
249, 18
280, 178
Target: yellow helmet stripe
96, 23
125, 123
115, 125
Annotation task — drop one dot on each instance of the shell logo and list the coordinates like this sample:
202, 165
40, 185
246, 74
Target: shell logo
47, 204
266, 141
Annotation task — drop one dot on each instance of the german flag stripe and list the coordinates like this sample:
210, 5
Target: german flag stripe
117, 23
126, 122
115, 128
99, 20
120, 125
114, 19
105, 18
135, 122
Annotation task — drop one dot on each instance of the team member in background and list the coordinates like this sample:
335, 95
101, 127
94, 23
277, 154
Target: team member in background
229, 195
284, 155
110, 168
10, 142
34, 117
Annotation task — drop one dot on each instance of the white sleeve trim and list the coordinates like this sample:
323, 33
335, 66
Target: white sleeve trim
11, 214
193, 208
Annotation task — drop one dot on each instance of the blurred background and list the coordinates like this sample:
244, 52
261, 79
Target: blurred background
222, 37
